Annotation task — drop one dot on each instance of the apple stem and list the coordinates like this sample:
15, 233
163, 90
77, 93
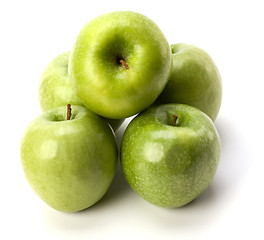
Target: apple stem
124, 64
174, 119
68, 111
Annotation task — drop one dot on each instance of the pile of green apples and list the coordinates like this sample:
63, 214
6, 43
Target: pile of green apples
122, 65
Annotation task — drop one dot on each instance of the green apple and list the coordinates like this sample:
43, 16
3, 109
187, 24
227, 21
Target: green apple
169, 154
55, 88
194, 80
119, 64
69, 159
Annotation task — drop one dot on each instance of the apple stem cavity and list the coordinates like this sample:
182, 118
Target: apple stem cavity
68, 111
124, 64
174, 119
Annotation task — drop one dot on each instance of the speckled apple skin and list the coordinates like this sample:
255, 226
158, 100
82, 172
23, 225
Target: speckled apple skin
70, 164
167, 165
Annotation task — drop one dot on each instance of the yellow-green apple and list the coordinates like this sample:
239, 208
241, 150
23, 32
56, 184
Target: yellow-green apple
194, 80
69, 157
119, 64
170, 153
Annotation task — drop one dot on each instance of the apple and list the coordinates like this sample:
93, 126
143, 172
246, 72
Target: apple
119, 64
170, 153
194, 80
55, 88
69, 157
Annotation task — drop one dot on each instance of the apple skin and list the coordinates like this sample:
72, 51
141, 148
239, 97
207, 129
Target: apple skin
98, 78
55, 88
63, 159
167, 165
194, 80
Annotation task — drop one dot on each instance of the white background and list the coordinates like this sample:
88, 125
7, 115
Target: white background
34, 32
